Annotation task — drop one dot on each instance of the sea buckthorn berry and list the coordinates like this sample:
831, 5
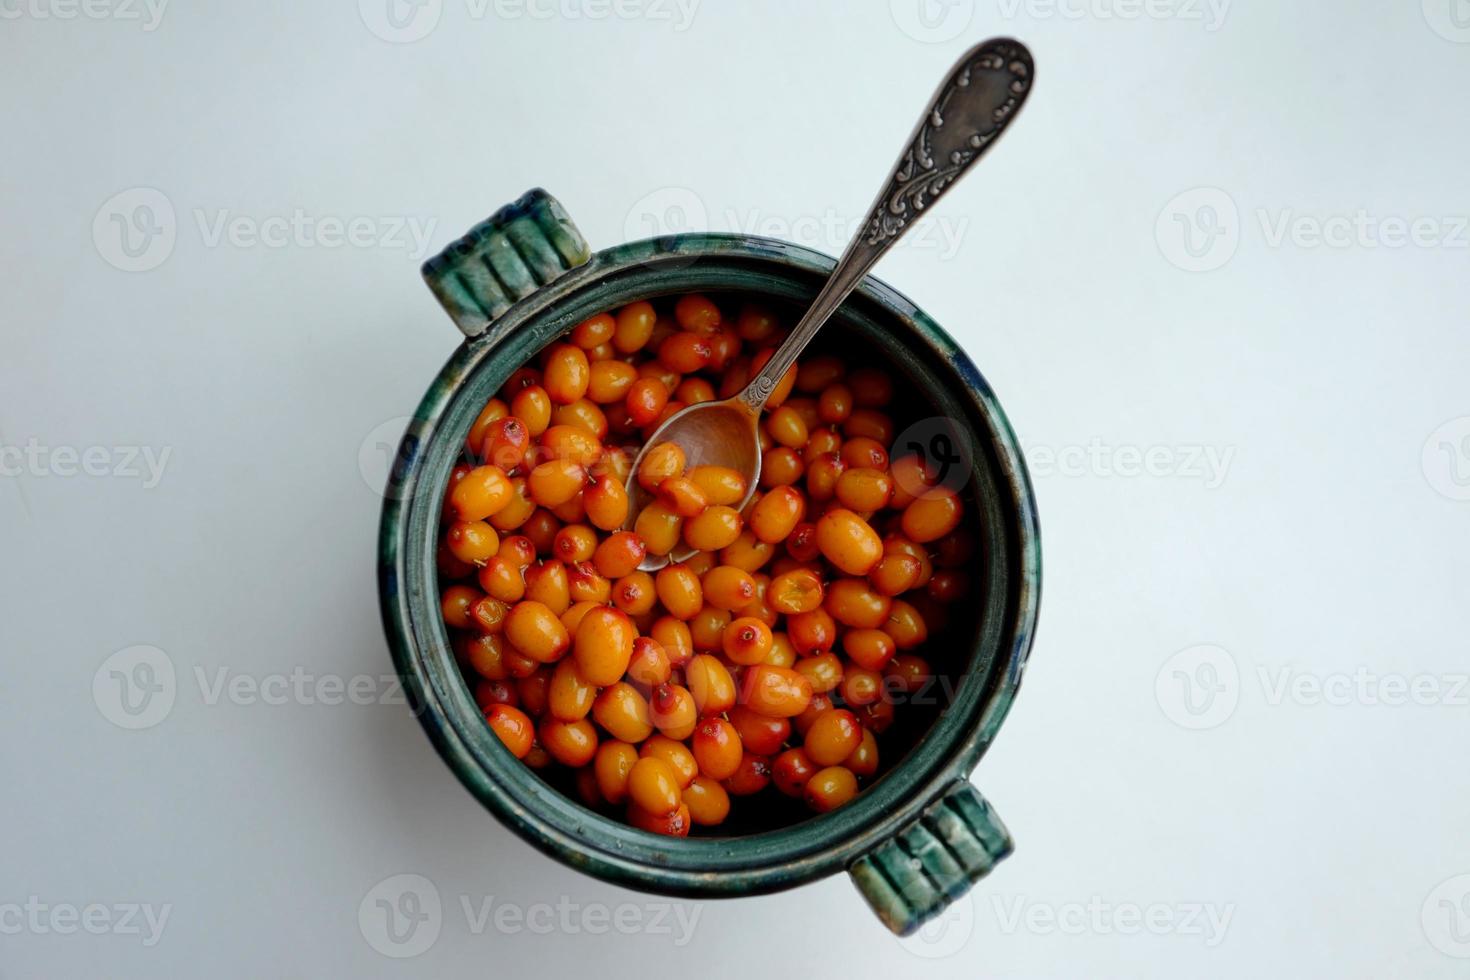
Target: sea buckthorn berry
761, 734
823, 475
786, 427
520, 666
650, 665
781, 466
633, 327
512, 726
634, 594
864, 489
612, 764
488, 692
728, 587
717, 748
864, 452
822, 441
954, 549
871, 388
571, 442
537, 758
796, 591
569, 696
878, 716
775, 691
685, 352
747, 552
659, 528
693, 390
606, 503
593, 331
823, 670
582, 414
696, 312
905, 625
707, 628
863, 762
645, 400
673, 710
486, 655
518, 550
812, 632
533, 629
895, 574
931, 517
721, 485
673, 635
747, 641
515, 514
913, 476
533, 407
449, 566
750, 777
520, 379
818, 372
776, 514
604, 645
610, 381
861, 686
948, 584
547, 582
835, 404
662, 462
782, 654
675, 753
868, 423
871, 649
488, 614
790, 771
680, 590
707, 801
474, 542
710, 684
619, 554
848, 541
653, 785
853, 602
908, 674
556, 481
713, 529
504, 443
572, 743
676, 823
455, 604
683, 496
756, 323
502, 579
574, 543
494, 410
623, 713
830, 788
566, 374
585, 585
481, 492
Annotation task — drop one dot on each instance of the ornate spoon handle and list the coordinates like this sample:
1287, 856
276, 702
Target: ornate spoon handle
978, 100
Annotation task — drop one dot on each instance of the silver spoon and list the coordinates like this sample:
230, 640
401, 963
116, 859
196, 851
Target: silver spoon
977, 101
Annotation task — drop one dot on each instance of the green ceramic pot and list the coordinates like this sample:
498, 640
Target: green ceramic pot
920, 835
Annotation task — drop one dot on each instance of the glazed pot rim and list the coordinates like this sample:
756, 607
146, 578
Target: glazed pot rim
560, 825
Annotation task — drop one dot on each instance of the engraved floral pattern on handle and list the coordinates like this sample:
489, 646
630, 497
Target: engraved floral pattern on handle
968, 114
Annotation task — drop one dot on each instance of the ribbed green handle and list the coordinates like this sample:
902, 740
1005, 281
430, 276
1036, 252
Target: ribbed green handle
506, 257
912, 877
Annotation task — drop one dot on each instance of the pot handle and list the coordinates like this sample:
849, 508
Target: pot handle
506, 257
914, 875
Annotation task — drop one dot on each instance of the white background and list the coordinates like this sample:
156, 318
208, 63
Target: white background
1155, 769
